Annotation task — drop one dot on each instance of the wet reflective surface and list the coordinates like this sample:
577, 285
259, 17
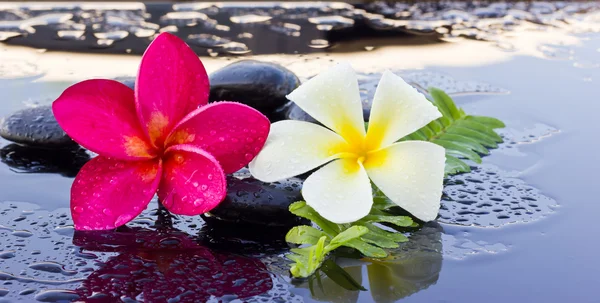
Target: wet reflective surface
519, 228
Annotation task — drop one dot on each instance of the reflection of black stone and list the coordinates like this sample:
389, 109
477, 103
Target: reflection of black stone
36, 127
243, 238
260, 85
252, 201
67, 162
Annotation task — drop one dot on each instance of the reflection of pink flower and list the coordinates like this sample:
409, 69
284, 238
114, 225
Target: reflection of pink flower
155, 137
155, 266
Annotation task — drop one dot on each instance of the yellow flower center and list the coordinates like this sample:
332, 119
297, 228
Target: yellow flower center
356, 153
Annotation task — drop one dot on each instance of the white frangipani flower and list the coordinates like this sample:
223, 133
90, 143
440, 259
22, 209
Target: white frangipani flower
410, 173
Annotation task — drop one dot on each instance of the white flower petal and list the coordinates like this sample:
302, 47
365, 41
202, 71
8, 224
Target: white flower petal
411, 174
293, 148
398, 110
332, 98
340, 191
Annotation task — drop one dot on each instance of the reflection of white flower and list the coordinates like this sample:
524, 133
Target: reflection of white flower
409, 173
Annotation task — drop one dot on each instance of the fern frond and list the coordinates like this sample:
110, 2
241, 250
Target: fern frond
463, 136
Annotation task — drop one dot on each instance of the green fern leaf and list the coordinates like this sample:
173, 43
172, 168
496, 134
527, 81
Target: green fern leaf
463, 136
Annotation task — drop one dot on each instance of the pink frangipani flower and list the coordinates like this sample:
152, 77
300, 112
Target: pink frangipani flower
162, 136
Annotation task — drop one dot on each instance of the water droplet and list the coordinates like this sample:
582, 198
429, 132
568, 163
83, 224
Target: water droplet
122, 219
22, 233
250, 18
236, 48
7, 254
288, 29
207, 40
112, 35
57, 295
319, 44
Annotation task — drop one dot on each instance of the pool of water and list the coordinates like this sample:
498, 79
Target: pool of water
519, 228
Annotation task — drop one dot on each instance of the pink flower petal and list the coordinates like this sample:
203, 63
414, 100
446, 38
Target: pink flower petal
171, 83
192, 182
231, 132
100, 115
108, 193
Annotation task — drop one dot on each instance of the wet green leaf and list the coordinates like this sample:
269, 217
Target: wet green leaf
379, 240
455, 166
466, 142
480, 128
427, 132
402, 221
469, 133
301, 209
444, 103
304, 235
458, 150
394, 236
367, 249
436, 126
345, 236
487, 121
462, 135
380, 201
308, 259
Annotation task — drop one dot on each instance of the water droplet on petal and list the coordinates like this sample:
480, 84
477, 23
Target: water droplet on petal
198, 202
122, 219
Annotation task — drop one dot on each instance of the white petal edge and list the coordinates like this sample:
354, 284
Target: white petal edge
332, 98
339, 191
411, 174
293, 148
398, 110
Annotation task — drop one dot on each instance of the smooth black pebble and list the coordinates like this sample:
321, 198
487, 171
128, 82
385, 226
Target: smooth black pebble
261, 85
35, 126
